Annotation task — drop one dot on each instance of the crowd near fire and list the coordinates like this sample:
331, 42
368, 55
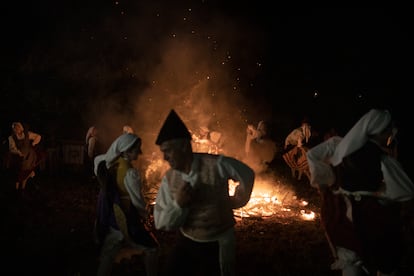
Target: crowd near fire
272, 98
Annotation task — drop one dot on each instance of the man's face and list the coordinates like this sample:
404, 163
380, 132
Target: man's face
174, 153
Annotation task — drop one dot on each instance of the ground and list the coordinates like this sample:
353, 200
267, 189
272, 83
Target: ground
49, 231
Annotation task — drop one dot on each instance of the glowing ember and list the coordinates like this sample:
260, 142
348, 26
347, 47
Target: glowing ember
269, 200
307, 215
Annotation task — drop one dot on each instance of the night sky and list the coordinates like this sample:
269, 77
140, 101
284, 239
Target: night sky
217, 64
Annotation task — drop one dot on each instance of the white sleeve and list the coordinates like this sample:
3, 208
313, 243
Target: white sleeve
132, 183
98, 159
398, 185
168, 215
322, 174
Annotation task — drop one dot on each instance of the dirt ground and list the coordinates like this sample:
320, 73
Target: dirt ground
48, 231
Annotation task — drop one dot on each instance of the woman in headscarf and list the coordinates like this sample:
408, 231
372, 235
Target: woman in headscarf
122, 212
23, 156
362, 189
296, 146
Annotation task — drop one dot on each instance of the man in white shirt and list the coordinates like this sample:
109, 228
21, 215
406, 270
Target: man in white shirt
194, 199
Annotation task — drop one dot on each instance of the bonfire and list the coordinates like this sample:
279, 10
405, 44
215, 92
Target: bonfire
270, 196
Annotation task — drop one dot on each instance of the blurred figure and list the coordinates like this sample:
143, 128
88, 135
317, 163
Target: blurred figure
364, 192
23, 158
207, 141
299, 136
260, 148
127, 129
295, 150
194, 199
122, 210
93, 147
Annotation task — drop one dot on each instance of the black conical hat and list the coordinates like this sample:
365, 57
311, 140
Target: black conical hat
173, 128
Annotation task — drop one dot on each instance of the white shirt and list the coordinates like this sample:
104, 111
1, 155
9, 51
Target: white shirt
169, 215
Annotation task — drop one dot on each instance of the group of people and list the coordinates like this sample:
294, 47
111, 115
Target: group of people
365, 196
363, 190
22, 156
193, 200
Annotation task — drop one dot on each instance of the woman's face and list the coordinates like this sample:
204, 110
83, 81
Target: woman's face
133, 153
17, 128
386, 136
391, 138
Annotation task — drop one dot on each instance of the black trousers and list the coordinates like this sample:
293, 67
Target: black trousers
188, 257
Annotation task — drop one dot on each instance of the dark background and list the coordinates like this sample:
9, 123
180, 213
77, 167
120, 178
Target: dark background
66, 65
63, 63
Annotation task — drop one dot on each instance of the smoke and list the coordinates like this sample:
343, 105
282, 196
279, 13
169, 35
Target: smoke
198, 90
182, 63
131, 62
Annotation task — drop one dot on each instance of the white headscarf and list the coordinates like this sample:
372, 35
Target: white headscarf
120, 145
319, 165
373, 122
399, 186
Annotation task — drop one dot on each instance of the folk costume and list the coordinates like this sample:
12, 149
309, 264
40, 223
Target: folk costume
206, 226
295, 150
362, 188
121, 210
23, 158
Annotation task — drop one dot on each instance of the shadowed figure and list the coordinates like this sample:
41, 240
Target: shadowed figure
295, 150
23, 158
364, 192
260, 148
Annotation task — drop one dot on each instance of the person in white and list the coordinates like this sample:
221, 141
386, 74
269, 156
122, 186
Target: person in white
363, 190
194, 199
299, 136
260, 149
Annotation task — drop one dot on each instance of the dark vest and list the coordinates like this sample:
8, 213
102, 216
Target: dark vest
210, 212
361, 170
24, 145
